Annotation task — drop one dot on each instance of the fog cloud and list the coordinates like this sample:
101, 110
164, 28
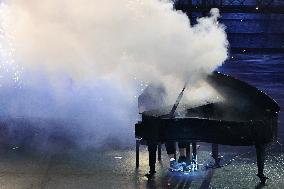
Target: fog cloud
89, 60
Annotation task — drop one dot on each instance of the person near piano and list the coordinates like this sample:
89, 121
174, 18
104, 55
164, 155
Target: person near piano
153, 98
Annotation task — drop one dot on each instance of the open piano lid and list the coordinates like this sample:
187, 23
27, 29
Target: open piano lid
237, 90
242, 102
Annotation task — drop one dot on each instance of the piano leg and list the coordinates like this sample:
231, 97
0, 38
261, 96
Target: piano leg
159, 152
260, 155
194, 151
188, 154
175, 153
137, 152
215, 154
152, 148
194, 156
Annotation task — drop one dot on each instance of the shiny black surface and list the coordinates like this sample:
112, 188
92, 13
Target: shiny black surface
247, 116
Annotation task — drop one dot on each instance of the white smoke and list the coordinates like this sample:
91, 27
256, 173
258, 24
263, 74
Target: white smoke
83, 59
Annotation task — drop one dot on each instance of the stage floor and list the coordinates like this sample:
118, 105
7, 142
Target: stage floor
116, 169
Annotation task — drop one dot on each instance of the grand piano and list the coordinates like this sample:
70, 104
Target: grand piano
245, 117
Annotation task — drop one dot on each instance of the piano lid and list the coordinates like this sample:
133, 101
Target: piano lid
238, 96
238, 92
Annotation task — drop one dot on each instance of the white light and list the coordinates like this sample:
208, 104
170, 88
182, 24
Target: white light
256, 8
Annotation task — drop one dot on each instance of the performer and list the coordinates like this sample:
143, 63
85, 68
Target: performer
153, 98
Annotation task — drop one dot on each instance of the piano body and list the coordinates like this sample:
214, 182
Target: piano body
246, 117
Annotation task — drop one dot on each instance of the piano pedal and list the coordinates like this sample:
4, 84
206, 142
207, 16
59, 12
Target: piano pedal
194, 166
